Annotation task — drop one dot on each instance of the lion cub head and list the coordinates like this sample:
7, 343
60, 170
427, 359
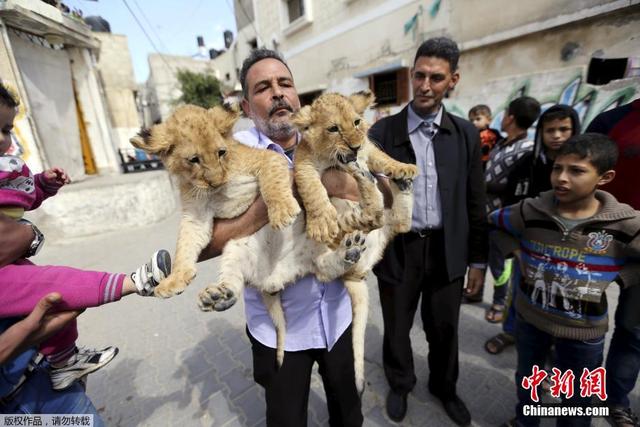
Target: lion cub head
333, 125
194, 144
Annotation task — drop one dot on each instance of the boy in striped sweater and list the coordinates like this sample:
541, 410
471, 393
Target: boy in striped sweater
572, 242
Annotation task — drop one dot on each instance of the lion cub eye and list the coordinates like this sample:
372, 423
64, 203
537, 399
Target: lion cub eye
222, 152
194, 159
333, 129
356, 122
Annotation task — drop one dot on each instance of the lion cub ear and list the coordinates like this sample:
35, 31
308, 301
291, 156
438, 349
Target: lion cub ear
225, 117
362, 100
151, 140
303, 118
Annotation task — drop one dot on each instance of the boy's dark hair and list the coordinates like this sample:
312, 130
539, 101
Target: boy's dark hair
257, 55
440, 47
556, 115
6, 98
599, 149
525, 110
480, 110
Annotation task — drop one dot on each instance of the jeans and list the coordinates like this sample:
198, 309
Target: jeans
623, 360
37, 397
533, 346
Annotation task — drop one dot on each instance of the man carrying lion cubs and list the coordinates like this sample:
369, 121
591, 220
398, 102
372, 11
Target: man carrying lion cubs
318, 314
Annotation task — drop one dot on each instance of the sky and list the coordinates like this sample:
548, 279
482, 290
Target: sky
172, 25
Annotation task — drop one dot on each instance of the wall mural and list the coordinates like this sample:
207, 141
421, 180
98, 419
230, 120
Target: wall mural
586, 99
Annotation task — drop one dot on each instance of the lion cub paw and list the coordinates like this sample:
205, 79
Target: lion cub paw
406, 171
284, 214
175, 283
216, 297
323, 226
352, 246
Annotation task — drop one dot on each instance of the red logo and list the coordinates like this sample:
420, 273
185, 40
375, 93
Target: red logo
532, 382
592, 383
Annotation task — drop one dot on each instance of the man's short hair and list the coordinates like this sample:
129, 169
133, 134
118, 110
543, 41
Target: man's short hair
440, 47
598, 149
7, 98
480, 110
257, 55
525, 110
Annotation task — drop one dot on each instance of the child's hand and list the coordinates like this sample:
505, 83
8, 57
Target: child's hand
57, 175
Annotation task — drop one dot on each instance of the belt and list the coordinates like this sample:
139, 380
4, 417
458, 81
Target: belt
31, 367
427, 232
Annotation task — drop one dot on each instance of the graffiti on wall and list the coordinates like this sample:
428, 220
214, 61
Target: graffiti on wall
587, 100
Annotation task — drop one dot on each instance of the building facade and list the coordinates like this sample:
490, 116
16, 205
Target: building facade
48, 59
547, 49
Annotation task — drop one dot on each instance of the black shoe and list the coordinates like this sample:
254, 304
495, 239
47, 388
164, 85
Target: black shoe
396, 405
456, 410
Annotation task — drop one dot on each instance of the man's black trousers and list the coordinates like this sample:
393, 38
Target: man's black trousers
425, 279
287, 388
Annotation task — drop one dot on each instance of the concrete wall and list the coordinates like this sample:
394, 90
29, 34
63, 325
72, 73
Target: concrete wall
116, 71
474, 19
613, 35
345, 37
532, 65
25, 143
102, 204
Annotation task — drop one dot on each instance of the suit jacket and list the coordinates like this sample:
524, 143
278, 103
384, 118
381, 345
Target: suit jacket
462, 192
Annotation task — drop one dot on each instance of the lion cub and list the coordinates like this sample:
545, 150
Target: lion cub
218, 177
333, 135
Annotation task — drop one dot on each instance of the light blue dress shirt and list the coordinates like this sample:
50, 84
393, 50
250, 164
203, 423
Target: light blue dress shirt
427, 209
317, 313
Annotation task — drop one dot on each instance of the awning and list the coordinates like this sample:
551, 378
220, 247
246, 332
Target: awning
44, 20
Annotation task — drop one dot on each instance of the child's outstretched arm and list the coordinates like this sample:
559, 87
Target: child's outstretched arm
507, 225
48, 183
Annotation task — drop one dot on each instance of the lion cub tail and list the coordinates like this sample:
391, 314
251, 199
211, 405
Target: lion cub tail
274, 307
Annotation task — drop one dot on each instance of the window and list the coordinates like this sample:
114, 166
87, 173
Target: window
601, 71
253, 44
295, 15
295, 8
390, 87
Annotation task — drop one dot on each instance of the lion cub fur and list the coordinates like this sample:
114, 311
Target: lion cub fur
217, 177
334, 134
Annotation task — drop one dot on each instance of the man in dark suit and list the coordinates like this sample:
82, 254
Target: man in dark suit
448, 236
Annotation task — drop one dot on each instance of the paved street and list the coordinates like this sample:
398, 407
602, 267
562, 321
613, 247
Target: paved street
180, 367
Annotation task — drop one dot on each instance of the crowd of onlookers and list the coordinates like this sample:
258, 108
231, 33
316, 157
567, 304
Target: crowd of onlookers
554, 218
518, 167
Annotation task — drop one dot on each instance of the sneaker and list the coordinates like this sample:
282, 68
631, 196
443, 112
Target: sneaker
622, 417
149, 275
84, 362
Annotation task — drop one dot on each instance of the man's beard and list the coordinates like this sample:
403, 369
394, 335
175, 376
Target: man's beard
276, 128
